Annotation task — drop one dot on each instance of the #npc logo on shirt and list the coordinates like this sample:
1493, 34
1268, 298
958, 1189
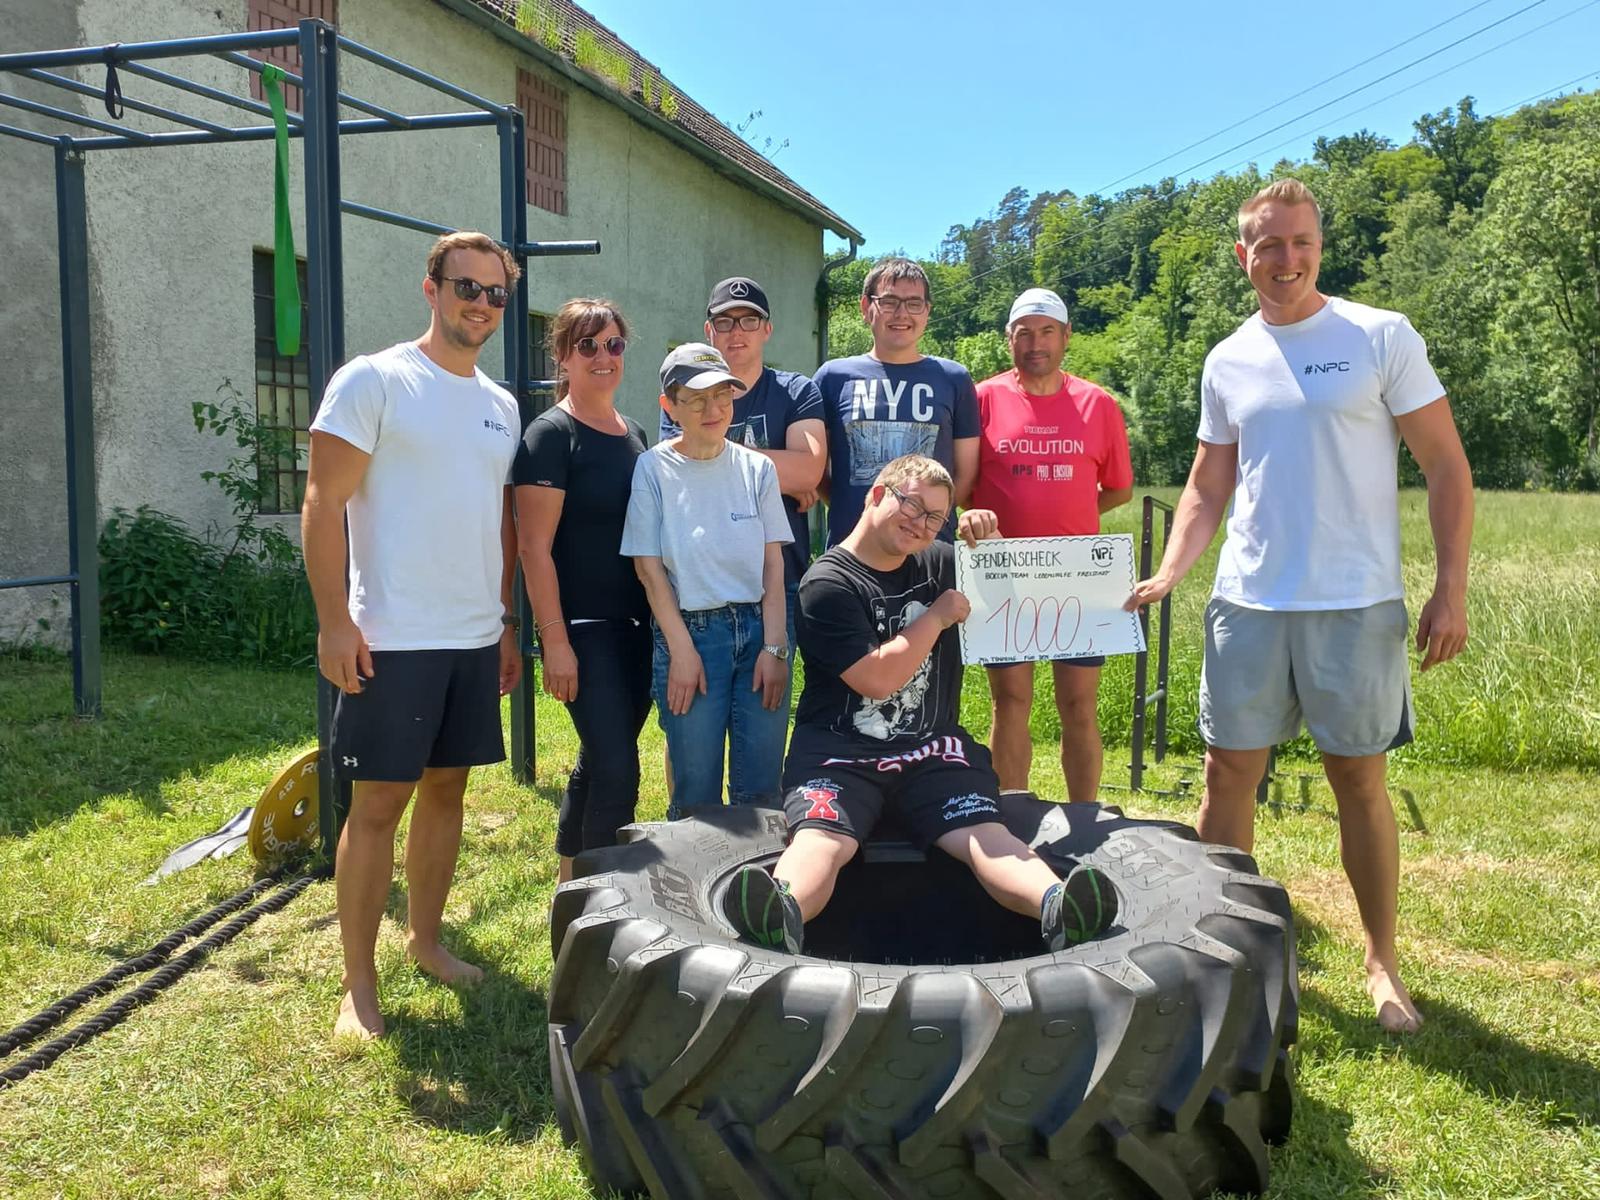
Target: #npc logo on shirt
496, 426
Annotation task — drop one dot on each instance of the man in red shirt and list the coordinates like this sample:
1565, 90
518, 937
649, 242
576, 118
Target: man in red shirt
1052, 456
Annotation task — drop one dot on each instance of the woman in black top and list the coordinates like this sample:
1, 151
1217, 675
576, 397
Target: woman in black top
573, 477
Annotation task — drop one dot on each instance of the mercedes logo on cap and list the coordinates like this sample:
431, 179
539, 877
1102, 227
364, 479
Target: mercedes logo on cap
739, 288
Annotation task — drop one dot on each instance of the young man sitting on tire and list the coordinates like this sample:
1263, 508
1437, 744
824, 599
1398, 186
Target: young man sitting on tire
878, 727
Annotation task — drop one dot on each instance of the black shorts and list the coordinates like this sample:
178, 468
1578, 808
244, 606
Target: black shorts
421, 708
942, 784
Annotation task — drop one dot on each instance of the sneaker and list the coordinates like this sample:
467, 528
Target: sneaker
763, 911
1082, 906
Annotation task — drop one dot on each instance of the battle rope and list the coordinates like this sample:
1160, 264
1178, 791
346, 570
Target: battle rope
150, 988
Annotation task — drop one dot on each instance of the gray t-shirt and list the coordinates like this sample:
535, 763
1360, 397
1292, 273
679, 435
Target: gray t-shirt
708, 521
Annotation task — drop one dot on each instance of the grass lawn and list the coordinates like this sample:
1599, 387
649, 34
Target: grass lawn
228, 1085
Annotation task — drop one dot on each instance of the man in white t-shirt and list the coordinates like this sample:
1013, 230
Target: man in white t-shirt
1302, 410
414, 445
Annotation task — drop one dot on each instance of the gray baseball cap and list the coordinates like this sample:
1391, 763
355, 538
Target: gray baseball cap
696, 365
738, 292
1038, 302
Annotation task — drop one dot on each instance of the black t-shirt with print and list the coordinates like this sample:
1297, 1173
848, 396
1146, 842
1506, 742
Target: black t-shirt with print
848, 610
595, 470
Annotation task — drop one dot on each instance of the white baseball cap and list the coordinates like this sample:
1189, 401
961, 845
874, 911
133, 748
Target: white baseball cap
1038, 302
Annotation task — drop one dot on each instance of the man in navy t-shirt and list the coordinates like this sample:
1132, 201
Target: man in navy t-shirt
895, 400
779, 414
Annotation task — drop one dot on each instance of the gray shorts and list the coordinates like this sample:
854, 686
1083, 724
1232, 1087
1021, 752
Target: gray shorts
1343, 671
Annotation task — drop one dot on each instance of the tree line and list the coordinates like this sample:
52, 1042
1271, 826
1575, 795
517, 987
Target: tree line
1484, 231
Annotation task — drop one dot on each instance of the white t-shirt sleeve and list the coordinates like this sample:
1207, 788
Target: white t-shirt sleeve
774, 520
1215, 427
641, 530
352, 407
1409, 381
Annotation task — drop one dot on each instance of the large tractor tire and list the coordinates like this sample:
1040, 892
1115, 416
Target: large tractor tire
923, 1046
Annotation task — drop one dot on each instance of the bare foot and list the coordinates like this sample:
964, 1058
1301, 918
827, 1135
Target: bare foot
359, 1017
1397, 1013
441, 964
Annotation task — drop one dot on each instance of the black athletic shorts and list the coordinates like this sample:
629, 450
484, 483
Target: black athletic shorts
939, 785
421, 708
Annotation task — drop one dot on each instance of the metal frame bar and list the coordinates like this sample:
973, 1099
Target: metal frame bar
319, 64
514, 233
207, 91
265, 133
37, 581
255, 65
126, 52
71, 118
88, 89
72, 233
1142, 696
320, 127
407, 71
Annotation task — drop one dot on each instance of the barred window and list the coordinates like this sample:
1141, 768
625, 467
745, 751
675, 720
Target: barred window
544, 112
285, 14
540, 364
283, 394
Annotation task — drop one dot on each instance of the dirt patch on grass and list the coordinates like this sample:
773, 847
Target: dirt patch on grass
1325, 898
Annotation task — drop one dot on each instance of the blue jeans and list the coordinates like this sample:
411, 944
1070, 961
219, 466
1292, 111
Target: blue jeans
728, 719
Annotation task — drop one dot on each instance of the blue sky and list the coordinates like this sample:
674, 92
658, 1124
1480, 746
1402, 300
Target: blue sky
907, 118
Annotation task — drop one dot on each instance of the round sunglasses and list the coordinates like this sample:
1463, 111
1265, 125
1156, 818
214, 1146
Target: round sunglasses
588, 347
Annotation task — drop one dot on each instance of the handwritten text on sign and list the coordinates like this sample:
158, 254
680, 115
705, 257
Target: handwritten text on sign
1043, 598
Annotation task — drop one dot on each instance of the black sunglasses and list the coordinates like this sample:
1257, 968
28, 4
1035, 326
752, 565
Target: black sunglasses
588, 347
470, 289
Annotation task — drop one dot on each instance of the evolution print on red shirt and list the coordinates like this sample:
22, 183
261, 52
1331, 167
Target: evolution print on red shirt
1042, 460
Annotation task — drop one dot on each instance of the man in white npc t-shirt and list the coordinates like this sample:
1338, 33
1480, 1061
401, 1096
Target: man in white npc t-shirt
414, 445
1302, 411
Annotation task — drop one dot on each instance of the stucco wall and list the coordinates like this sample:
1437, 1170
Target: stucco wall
172, 230
33, 530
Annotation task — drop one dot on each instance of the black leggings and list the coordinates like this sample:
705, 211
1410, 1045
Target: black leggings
613, 702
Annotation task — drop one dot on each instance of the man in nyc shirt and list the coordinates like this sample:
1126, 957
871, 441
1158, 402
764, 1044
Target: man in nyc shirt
895, 400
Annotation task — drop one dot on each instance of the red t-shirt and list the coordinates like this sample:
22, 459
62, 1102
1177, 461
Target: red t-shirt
1042, 460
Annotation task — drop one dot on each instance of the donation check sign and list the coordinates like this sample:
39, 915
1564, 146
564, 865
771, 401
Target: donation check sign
1044, 598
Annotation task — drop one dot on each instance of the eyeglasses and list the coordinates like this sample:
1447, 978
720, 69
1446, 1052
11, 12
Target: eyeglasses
718, 399
588, 347
916, 306
470, 289
749, 323
933, 521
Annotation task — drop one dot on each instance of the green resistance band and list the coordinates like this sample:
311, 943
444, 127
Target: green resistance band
285, 276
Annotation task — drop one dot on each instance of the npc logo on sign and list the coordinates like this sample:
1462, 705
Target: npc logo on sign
1100, 554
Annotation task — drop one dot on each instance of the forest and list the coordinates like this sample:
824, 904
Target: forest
1483, 230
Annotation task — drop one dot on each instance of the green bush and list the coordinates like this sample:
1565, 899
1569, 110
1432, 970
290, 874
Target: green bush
166, 591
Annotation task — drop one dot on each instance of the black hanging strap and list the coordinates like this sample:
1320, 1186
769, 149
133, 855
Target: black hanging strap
113, 96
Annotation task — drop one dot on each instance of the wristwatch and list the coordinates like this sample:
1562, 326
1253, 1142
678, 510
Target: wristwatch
781, 653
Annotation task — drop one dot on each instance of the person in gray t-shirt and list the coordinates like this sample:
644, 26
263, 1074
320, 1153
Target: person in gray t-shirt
706, 530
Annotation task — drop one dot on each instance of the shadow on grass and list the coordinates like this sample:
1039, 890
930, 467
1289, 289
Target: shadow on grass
162, 720
486, 1073
1318, 1161
1563, 1091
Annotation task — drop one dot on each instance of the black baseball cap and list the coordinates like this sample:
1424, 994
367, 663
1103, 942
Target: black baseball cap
738, 292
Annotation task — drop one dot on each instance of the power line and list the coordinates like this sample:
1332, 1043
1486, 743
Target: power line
1413, 86
1560, 87
1373, 83
1015, 258
1302, 92
1101, 223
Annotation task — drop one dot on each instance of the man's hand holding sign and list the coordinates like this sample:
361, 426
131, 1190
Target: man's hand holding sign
1047, 598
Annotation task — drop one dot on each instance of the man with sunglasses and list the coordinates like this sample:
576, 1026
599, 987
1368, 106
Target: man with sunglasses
414, 445
895, 400
878, 727
779, 414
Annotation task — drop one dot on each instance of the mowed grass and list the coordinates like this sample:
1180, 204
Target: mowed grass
228, 1085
